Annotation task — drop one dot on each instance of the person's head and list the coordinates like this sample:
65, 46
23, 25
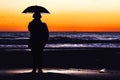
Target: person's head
37, 16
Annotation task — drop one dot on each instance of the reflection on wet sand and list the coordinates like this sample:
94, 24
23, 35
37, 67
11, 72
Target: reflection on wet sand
61, 71
59, 74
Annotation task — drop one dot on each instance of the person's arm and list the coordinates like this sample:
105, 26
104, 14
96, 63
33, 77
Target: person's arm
46, 29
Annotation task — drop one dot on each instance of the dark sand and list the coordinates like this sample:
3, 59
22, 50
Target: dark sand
64, 58
93, 59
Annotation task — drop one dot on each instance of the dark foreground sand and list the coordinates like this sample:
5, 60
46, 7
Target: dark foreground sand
90, 59
64, 58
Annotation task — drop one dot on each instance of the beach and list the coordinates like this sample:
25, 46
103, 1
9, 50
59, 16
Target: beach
63, 64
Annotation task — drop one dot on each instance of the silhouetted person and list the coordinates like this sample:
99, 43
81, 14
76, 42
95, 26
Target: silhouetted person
38, 37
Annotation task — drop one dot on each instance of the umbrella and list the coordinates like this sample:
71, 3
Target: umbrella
36, 9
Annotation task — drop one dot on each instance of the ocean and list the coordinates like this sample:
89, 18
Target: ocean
62, 40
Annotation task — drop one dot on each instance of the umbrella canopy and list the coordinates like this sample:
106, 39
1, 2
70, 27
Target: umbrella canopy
36, 9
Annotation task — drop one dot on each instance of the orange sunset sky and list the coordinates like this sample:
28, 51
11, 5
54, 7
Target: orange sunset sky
66, 15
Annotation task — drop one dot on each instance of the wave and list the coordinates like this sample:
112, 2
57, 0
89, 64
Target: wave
63, 40
88, 45
64, 35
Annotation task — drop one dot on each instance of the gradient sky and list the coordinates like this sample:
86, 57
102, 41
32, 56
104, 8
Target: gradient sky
66, 15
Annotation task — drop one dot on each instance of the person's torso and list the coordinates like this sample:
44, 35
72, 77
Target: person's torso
38, 31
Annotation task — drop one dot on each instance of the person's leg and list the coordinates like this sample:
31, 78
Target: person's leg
40, 60
34, 62
40, 63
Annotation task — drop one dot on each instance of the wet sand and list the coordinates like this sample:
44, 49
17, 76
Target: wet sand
91, 60
60, 74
